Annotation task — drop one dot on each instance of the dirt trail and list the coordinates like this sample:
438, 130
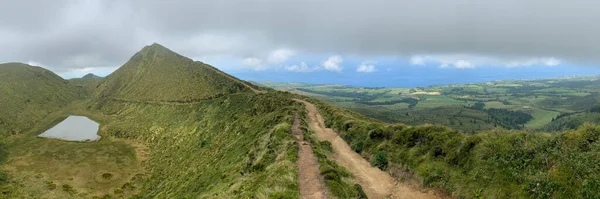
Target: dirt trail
309, 184
376, 183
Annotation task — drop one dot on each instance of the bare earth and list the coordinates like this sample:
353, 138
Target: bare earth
376, 183
309, 182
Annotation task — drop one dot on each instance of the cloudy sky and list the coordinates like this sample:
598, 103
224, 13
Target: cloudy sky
305, 39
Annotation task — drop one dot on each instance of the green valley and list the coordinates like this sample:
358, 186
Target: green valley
470, 108
172, 127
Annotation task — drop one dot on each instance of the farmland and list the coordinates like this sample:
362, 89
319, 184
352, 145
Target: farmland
470, 108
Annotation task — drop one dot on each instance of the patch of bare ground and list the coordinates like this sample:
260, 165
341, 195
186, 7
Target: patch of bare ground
310, 183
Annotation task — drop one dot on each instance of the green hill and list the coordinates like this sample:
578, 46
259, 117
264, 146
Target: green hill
28, 94
159, 74
170, 128
572, 121
86, 84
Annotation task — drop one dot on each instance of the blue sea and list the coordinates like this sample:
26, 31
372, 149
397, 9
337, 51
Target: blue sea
414, 76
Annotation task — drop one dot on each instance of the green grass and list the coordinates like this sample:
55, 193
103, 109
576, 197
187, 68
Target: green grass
433, 101
35, 161
491, 164
28, 94
217, 148
170, 127
159, 74
540, 118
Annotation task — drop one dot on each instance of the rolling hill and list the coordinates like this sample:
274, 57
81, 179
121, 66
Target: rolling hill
28, 94
159, 74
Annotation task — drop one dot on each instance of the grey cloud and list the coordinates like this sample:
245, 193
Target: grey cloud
106, 33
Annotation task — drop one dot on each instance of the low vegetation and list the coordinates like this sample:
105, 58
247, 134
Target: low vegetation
339, 181
235, 146
492, 164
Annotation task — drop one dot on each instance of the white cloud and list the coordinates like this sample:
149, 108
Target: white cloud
366, 67
254, 62
417, 60
464, 61
463, 64
333, 63
275, 57
551, 61
279, 56
301, 68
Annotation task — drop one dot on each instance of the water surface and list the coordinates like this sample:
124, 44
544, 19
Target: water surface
74, 128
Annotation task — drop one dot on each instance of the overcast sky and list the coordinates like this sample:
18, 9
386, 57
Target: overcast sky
76, 36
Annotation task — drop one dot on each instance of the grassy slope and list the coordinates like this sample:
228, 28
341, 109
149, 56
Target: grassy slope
159, 74
496, 164
230, 142
572, 121
28, 94
235, 146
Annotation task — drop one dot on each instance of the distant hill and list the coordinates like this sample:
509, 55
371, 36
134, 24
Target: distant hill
572, 121
86, 84
159, 74
91, 76
28, 94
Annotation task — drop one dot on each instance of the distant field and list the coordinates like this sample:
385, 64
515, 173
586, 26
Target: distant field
540, 118
466, 104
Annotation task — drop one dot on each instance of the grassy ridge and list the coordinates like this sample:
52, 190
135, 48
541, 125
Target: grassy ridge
28, 94
159, 74
234, 146
497, 164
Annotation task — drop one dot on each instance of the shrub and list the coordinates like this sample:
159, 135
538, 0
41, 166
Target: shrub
380, 160
68, 188
357, 146
326, 145
50, 185
360, 191
107, 176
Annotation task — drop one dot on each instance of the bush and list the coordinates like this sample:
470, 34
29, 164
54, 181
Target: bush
326, 145
68, 188
357, 146
107, 176
380, 160
50, 185
360, 191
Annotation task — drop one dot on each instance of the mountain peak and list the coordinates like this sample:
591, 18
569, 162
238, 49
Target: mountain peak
90, 76
157, 50
156, 47
158, 74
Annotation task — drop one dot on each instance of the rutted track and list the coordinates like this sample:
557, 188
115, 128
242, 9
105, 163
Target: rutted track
377, 184
309, 182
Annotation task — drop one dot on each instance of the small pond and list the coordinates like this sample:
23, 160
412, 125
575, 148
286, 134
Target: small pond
74, 128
